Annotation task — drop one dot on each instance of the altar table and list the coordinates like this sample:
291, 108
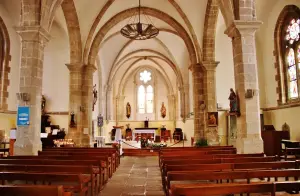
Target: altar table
143, 130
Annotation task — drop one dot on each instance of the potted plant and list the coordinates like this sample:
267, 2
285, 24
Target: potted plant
201, 142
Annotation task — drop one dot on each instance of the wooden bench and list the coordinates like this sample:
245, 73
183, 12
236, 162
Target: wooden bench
225, 189
292, 151
230, 175
81, 149
111, 157
80, 182
33, 190
96, 164
78, 169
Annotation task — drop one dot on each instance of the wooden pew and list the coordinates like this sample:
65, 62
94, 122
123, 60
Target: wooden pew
33, 190
228, 167
99, 169
114, 151
78, 169
225, 189
109, 156
230, 175
63, 179
105, 161
292, 151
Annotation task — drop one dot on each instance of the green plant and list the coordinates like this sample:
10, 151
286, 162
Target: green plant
201, 142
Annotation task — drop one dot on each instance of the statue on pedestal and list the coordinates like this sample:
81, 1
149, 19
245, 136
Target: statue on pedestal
95, 96
233, 101
128, 110
72, 121
163, 110
43, 104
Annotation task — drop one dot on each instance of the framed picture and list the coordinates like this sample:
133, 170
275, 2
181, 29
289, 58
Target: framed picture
212, 119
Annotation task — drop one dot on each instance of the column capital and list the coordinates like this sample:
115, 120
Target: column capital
108, 87
198, 67
210, 65
32, 33
240, 27
74, 67
90, 68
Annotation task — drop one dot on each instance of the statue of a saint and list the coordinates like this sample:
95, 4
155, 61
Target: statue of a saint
72, 121
128, 110
95, 96
233, 101
163, 110
43, 104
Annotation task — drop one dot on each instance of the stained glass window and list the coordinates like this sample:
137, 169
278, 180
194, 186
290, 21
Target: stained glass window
292, 48
141, 99
149, 99
145, 93
145, 76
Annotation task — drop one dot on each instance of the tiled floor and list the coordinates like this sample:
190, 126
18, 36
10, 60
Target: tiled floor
135, 176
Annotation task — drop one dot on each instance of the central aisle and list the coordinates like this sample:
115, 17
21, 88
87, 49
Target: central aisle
135, 176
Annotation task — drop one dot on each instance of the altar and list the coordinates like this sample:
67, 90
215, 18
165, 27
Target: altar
144, 130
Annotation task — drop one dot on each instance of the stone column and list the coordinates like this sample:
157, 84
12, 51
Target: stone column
87, 102
246, 77
75, 98
172, 108
211, 98
185, 101
199, 101
108, 102
120, 106
33, 40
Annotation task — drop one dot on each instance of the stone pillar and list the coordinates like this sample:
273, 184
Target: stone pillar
75, 104
87, 102
211, 98
185, 101
108, 102
199, 101
33, 40
120, 108
172, 108
246, 77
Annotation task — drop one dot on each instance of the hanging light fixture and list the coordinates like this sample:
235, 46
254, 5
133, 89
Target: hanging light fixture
138, 30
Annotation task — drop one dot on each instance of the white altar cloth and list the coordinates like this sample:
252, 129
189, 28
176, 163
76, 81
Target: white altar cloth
147, 130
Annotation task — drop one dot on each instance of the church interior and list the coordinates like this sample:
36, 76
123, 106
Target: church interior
148, 88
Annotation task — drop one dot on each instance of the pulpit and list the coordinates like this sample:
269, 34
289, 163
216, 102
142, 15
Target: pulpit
118, 135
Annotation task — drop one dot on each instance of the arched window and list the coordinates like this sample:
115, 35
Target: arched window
291, 50
145, 93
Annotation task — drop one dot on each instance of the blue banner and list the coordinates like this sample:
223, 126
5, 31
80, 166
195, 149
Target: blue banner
23, 116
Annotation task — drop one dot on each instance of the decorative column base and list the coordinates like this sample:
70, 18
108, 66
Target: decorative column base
30, 148
250, 145
80, 139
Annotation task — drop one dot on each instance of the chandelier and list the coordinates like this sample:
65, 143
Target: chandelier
138, 30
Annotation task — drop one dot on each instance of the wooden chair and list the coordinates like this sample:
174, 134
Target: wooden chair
166, 135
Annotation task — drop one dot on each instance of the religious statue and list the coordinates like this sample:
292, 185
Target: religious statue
43, 104
95, 96
233, 101
128, 110
72, 121
163, 110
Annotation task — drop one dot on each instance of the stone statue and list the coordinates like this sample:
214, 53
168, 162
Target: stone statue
128, 110
43, 104
163, 110
95, 96
233, 101
72, 121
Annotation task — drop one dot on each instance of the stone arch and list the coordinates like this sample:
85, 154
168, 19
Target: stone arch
210, 24
148, 11
280, 76
4, 64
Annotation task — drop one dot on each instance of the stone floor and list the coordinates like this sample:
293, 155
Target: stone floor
135, 176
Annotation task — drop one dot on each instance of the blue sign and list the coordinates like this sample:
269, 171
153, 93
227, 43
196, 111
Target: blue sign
23, 116
100, 120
